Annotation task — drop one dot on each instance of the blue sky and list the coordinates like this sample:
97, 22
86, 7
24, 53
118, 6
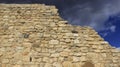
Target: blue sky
112, 37
102, 15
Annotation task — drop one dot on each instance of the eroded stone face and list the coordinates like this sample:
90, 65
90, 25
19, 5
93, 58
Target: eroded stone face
88, 64
34, 35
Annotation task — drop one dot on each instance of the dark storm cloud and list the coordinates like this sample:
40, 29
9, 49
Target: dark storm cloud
82, 12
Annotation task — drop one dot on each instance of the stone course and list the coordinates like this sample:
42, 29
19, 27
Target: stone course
34, 35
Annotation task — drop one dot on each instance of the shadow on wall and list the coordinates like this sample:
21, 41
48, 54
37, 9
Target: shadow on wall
88, 64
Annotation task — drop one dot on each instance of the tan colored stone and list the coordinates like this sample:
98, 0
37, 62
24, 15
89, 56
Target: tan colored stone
64, 53
88, 64
76, 59
77, 65
67, 64
69, 34
46, 59
26, 51
25, 58
57, 64
83, 58
3, 65
60, 59
1, 53
16, 66
46, 35
76, 41
75, 35
53, 42
48, 65
34, 65
55, 55
5, 61
27, 45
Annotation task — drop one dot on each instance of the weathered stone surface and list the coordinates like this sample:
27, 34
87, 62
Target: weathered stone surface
64, 53
67, 64
5, 61
55, 55
76, 65
48, 65
1, 53
33, 35
16, 66
76, 59
53, 42
57, 64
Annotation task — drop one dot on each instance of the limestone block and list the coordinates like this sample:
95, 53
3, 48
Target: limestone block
76, 35
57, 64
77, 54
1, 53
3, 65
60, 59
69, 34
52, 24
53, 42
34, 65
41, 64
39, 59
67, 40
43, 54
16, 65
7, 44
77, 65
83, 58
67, 64
48, 65
64, 53
97, 50
46, 59
54, 11
55, 55
62, 25
76, 41
104, 55
76, 59
5, 60
27, 44
26, 51
26, 58
46, 35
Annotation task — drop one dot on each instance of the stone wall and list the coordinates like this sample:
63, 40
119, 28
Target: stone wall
33, 35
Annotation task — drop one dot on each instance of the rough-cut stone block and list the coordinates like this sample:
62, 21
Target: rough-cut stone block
17, 66
57, 64
67, 64
64, 54
48, 65
5, 61
55, 55
77, 65
76, 59
53, 42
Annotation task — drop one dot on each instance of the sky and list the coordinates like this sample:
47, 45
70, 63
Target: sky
102, 15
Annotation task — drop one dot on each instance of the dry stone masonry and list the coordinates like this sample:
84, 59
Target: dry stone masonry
34, 35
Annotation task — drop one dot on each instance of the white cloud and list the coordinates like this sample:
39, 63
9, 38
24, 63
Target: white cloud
113, 28
105, 34
94, 14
